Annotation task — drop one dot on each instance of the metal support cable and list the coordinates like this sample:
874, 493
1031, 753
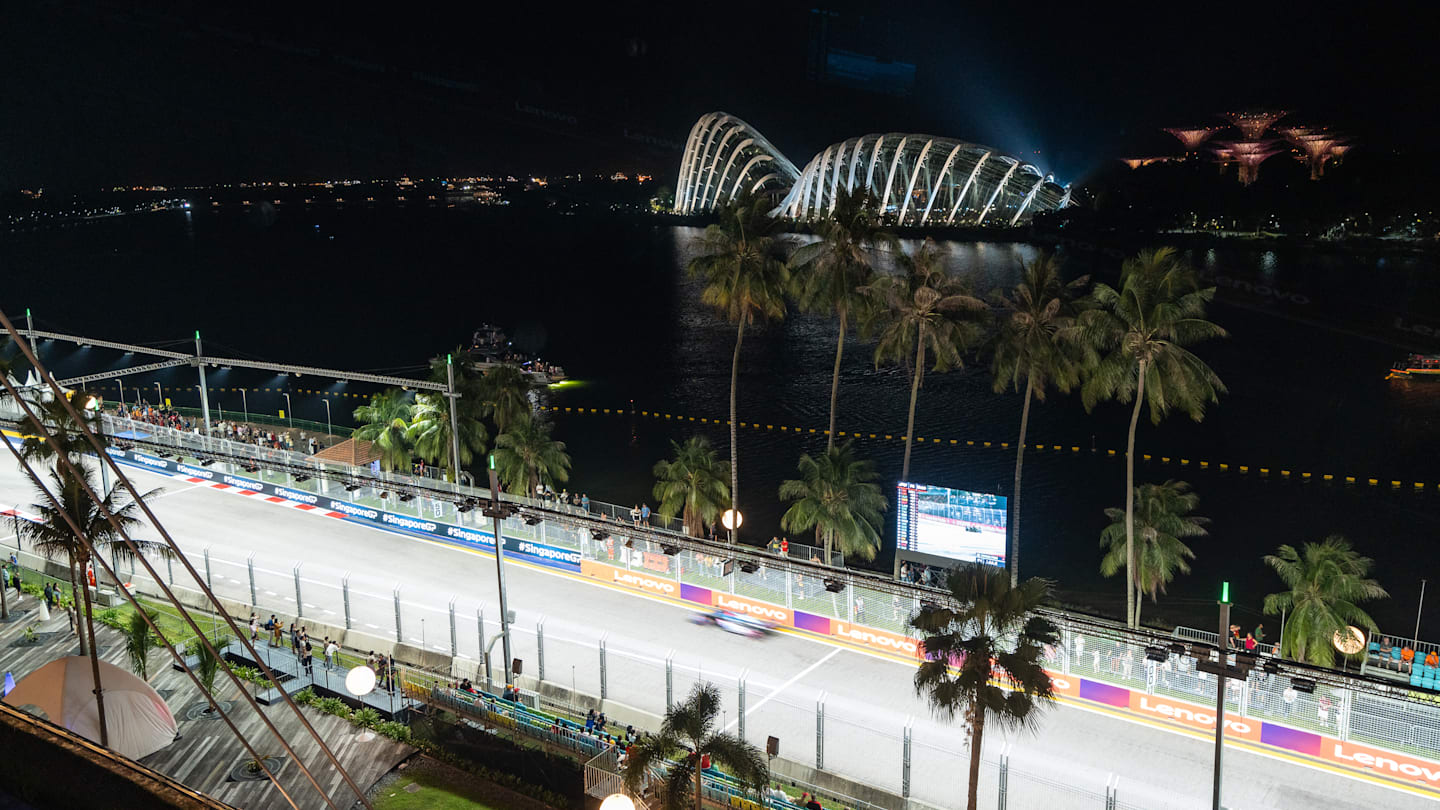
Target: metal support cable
124, 480
170, 648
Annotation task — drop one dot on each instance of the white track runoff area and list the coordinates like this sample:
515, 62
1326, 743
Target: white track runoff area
867, 697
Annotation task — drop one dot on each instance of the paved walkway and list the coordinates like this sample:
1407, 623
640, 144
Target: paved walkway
206, 750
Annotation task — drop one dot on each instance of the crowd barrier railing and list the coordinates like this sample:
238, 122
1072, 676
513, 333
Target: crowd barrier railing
1397, 732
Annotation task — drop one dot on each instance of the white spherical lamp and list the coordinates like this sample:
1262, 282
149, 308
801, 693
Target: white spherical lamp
360, 681
731, 519
617, 801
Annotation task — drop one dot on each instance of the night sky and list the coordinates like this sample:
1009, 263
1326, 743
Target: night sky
99, 94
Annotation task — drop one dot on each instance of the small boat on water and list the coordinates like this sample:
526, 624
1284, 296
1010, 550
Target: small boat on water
490, 346
1416, 365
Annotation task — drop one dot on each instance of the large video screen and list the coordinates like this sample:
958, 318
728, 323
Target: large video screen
951, 523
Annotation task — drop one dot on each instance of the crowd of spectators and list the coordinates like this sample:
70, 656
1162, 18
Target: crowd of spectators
164, 417
250, 434
921, 574
225, 429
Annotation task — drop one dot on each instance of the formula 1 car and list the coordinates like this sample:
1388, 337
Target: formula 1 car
737, 623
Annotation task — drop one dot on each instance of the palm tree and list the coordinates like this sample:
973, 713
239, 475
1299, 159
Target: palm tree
504, 392
386, 420
430, 433
55, 420
829, 273
692, 485
836, 497
526, 457
1162, 521
139, 641
1036, 344
984, 654
924, 309
688, 736
1135, 341
1326, 581
51, 535
207, 664
745, 281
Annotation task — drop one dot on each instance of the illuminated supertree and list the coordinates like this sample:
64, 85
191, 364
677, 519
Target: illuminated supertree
1338, 150
1192, 137
1317, 147
1253, 123
1223, 158
1249, 154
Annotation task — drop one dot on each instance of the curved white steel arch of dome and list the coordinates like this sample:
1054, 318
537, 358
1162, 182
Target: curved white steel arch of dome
734, 153
763, 180
835, 175
705, 154
1015, 164
1065, 200
815, 186
975, 172
685, 160
940, 180
1029, 198
890, 175
807, 184
690, 162
745, 172
870, 168
910, 189
855, 161
797, 190
714, 164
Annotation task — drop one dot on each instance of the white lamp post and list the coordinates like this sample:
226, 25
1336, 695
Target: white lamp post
329, 430
732, 520
289, 411
617, 801
360, 682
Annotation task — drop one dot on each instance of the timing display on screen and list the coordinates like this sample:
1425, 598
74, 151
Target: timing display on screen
951, 523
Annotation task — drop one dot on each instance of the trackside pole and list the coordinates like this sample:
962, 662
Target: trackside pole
454, 648
204, 391
345, 595
820, 732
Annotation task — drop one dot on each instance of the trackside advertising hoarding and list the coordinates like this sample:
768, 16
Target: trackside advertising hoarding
1135, 704
527, 550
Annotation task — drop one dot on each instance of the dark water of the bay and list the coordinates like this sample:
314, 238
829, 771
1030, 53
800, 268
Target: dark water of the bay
1312, 334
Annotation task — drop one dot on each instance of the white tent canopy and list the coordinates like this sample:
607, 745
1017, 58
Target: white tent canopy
136, 716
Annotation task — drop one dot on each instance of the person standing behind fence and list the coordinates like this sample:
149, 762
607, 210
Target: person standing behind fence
309, 659
331, 649
254, 628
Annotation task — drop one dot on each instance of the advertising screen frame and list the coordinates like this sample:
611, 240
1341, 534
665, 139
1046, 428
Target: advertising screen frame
940, 560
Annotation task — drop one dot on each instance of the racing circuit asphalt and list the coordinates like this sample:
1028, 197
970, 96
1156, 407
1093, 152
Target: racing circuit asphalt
868, 698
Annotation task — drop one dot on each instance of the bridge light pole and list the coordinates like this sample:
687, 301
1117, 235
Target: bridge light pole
497, 512
204, 392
